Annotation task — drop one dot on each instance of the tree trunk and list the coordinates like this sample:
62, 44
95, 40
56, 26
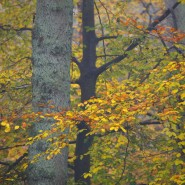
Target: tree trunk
177, 18
51, 83
87, 83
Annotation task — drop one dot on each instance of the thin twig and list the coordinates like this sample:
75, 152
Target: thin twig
102, 29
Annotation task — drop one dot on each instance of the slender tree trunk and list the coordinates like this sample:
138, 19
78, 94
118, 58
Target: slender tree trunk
51, 83
87, 83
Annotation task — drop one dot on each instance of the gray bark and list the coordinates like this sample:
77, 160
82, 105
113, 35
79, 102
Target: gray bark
51, 83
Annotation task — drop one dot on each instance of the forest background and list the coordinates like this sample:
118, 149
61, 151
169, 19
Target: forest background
126, 118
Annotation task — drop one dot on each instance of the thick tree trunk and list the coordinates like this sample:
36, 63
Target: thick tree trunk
51, 83
87, 83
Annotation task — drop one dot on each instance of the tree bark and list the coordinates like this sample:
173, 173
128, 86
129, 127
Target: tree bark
87, 84
51, 83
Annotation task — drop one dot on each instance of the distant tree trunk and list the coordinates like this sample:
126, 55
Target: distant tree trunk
177, 17
87, 84
51, 83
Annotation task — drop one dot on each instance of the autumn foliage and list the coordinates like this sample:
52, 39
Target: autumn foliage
137, 117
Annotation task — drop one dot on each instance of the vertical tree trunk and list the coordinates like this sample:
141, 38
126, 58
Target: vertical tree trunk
87, 83
51, 83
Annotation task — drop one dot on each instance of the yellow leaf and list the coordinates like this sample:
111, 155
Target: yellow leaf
25, 166
16, 127
175, 91
86, 175
181, 136
122, 129
7, 129
69, 114
44, 134
177, 162
181, 143
30, 138
178, 155
183, 95
48, 157
96, 169
103, 130
4, 123
114, 128
72, 159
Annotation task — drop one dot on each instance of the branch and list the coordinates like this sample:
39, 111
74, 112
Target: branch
162, 17
76, 61
148, 74
17, 62
150, 122
106, 37
4, 163
9, 28
136, 41
107, 56
72, 142
75, 82
106, 12
10, 147
15, 163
